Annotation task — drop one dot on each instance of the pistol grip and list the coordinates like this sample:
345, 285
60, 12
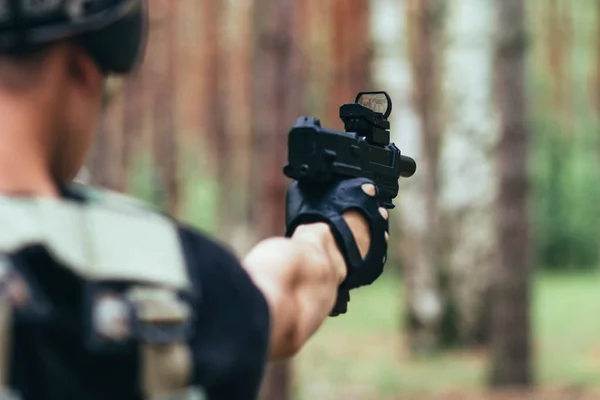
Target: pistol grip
341, 303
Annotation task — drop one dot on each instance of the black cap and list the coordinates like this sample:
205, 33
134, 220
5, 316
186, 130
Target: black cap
113, 31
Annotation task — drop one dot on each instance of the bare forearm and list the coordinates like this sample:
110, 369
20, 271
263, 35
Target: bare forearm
299, 277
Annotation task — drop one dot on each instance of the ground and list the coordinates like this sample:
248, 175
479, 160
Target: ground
362, 355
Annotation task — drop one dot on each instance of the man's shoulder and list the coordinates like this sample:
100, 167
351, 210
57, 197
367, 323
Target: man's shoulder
97, 234
118, 201
193, 239
199, 250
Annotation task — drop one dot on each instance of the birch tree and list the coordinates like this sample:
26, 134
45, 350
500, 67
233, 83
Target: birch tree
469, 179
421, 219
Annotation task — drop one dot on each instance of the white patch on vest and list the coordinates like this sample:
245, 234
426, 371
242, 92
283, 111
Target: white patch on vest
110, 316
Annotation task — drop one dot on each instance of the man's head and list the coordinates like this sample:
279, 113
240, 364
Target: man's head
56, 72
61, 88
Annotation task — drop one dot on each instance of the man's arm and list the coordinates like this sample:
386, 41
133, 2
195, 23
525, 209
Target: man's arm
300, 276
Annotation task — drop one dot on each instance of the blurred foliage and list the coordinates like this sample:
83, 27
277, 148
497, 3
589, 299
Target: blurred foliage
566, 147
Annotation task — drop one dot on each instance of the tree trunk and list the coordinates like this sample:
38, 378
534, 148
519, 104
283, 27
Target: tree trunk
597, 92
422, 261
351, 55
239, 126
105, 172
511, 342
132, 126
216, 36
278, 95
469, 179
389, 55
559, 35
163, 65
100, 158
191, 98
557, 134
318, 48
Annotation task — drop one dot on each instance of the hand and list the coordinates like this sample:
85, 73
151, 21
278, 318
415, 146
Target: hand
359, 225
355, 219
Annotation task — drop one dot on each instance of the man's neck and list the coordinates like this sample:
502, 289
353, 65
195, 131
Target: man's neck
24, 169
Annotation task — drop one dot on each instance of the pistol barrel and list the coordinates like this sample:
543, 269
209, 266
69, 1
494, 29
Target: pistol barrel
408, 166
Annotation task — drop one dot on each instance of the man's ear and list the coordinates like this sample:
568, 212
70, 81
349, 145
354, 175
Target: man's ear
84, 72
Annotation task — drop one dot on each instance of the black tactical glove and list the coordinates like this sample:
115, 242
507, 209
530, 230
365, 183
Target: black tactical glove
327, 203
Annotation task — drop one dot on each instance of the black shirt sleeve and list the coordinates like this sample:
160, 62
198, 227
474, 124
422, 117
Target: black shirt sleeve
232, 332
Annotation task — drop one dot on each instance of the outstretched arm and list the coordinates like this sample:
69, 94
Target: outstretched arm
300, 276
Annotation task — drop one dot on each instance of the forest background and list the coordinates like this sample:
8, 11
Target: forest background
492, 287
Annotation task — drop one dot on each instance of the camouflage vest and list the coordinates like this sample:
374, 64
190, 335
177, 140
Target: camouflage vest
109, 238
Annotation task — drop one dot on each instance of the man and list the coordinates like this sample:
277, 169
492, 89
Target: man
103, 298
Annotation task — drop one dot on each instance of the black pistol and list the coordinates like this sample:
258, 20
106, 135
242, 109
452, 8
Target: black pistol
318, 155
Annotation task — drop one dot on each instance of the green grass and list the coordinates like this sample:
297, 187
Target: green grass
362, 355
567, 324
